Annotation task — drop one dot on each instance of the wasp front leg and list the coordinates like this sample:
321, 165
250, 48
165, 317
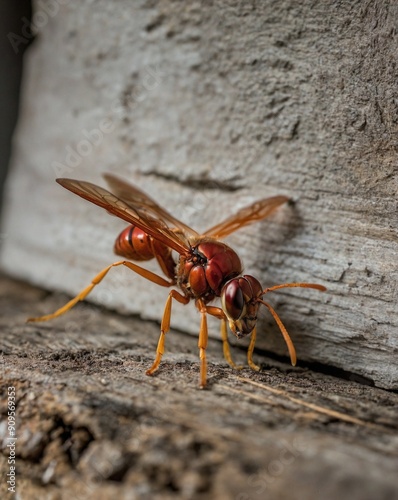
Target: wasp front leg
217, 312
250, 350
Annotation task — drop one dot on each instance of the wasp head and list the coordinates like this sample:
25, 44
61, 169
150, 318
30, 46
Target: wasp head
239, 300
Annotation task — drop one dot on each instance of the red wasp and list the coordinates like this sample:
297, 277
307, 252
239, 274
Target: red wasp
206, 267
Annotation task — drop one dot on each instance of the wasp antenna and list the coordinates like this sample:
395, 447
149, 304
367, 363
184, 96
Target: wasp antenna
321, 288
286, 336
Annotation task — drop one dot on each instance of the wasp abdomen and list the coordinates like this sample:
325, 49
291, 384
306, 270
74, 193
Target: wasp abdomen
133, 243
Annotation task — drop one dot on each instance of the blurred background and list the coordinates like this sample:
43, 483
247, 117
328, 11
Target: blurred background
14, 18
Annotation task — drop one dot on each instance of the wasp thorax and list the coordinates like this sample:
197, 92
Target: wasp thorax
203, 272
239, 299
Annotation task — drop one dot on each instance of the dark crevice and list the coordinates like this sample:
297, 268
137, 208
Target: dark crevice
333, 371
339, 373
198, 184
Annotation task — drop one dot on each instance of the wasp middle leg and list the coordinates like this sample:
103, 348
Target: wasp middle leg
165, 327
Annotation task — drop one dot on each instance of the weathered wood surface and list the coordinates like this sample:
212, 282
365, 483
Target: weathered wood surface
209, 107
91, 425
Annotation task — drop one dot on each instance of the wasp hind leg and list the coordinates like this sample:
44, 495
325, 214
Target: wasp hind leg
100, 276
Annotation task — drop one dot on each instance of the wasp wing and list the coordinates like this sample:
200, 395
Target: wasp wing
122, 209
141, 201
257, 211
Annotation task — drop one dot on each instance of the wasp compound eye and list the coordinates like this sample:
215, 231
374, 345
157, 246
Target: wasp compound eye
232, 299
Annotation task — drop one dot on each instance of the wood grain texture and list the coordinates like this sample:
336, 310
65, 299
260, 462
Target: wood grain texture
209, 107
90, 424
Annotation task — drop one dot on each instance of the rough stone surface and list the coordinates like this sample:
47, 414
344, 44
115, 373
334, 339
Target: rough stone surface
91, 425
208, 106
